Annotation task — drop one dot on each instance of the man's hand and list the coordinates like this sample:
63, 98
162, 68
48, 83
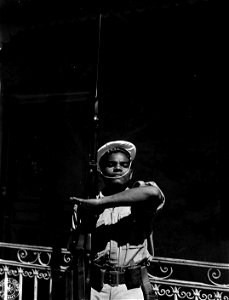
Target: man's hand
87, 204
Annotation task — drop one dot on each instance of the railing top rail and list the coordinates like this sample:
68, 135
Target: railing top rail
30, 247
179, 261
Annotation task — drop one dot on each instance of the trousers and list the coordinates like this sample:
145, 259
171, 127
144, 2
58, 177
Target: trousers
119, 292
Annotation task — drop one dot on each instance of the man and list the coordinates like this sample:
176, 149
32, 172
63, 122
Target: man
123, 226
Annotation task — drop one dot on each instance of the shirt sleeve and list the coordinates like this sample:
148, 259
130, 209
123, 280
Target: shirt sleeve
159, 205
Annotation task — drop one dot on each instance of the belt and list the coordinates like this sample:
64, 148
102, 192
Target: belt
130, 276
114, 278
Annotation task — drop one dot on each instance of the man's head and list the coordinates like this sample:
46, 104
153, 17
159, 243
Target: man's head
115, 162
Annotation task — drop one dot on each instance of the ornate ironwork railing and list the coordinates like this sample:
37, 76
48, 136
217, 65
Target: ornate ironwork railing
189, 279
34, 272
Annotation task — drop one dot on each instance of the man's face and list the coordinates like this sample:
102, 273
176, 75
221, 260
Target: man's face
117, 169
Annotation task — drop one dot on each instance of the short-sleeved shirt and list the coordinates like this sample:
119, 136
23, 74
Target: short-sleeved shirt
121, 234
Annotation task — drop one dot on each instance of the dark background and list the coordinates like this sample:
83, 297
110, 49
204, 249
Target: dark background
161, 85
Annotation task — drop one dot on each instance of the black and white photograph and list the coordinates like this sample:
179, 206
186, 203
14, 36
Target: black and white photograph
114, 151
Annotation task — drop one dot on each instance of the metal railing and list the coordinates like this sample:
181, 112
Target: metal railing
189, 279
40, 273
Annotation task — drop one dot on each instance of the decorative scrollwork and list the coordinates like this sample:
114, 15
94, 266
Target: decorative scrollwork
179, 293
44, 258
67, 258
186, 294
216, 274
166, 272
22, 254
13, 272
28, 273
42, 275
165, 291
225, 297
208, 296
8, 271
33, 257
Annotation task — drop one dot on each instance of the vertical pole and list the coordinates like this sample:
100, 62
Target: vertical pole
3, 217
1, 122
98, 59
4, 136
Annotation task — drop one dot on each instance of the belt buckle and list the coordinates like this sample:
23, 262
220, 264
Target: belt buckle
113, 278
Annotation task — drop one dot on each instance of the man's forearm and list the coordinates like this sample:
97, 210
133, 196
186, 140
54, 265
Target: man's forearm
132, 196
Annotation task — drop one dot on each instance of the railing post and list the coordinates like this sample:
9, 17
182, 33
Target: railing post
50, 288
6, 269
35, 272
20, 272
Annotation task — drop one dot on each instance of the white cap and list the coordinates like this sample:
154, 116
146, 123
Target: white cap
127, 146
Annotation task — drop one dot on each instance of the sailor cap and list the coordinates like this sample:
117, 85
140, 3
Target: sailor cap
114, 145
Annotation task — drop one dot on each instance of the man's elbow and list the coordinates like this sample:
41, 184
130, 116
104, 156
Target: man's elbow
156, 196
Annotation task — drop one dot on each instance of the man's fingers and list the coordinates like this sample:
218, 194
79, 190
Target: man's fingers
74, 199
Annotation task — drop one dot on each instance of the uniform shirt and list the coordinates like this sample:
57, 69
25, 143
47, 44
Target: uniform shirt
120, 237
